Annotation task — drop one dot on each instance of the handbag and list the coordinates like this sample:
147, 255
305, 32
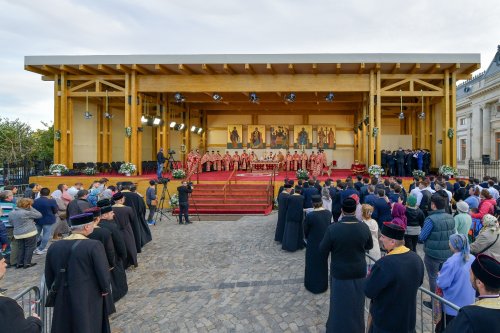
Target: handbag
50, 300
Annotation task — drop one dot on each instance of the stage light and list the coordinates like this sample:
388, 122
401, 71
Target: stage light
181, 127
216, 97
156, 121
253, 98
193, 128
172, 124
88, 115
199, 130
144, 120
401, 115
179, 98
329, 97
290, 97
108, 115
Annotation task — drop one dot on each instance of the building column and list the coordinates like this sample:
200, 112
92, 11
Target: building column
445, 116
486, 132
453, 119
371, 116
476, 135
128, 107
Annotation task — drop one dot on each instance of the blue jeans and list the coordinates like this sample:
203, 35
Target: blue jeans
44, 233
433, 266
183, 210
159, 170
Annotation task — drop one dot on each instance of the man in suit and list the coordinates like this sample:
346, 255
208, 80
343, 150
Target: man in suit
400, 159
184, 191
382, 209
308, 192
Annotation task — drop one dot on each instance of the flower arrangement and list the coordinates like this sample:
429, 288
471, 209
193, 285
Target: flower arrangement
174, 201
89, 171
302, 174
447, 170
127, 168
58, 169
418, 173
375, 170
179, 174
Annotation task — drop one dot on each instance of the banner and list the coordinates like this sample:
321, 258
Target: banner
280, 137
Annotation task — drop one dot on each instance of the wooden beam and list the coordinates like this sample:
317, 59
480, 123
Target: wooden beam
140, 69
338, 68
96, 77
69, 69
411, 93
96, 94
396, 68
123, 69
107, 69
51, 69
88, 69
434, 68
470, 69
249, 69
37, 70
361, 68
314, 68
454, 67
291, 69
270, 68
164, 69
415, 68
207, 69
227, 69
185, 69
280, 112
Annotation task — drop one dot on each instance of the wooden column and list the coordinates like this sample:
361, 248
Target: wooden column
71, 113
100, 132
63, 125
414, 128
134, 123
453, 119
138, 143
445, 113
187, 132
371, 116
433, 140
421, 126
165, 115
379, 121
204, 135
57, 122
129, 100
427, 127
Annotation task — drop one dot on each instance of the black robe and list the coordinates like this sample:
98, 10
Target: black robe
316, 273
80, 306
282, 207
136, 202
12, 318
474, 318
118, 275
293, 236
126, 219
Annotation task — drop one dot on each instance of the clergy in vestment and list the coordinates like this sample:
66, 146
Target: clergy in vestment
347, 241
296, 161
135, 201
127, 223
293, 235
81, 302
282, 208
315, 225
393, 284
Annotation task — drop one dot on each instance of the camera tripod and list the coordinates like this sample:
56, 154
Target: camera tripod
159, 213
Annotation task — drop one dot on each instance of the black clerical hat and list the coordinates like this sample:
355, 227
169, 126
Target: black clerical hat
288, 186
103, 202
96, 211
349, 205
393, 231
316, 198
106, 209
487, 270
82, 219
117, 196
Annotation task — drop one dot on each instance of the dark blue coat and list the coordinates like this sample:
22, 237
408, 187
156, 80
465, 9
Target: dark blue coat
347, 193
381, 211
48, 208
308, 193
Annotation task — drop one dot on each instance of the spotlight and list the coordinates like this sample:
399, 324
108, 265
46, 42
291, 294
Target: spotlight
253, 98
193, 128
108, 115
199, 130
156, 121
88, 115
290, 97
181, 127
421, 115
216, 97
179, 98
401, 115
329, 97
144, 120
172, 124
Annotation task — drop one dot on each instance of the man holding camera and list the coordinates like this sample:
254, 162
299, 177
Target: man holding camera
161, 160
184, 191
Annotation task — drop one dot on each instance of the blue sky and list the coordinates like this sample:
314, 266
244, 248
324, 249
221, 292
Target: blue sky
66, 27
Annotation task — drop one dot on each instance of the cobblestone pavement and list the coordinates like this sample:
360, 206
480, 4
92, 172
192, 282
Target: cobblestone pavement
211, 276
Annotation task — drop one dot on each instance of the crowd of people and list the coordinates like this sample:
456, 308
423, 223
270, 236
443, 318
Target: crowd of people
102, 230
402, 162
347, 219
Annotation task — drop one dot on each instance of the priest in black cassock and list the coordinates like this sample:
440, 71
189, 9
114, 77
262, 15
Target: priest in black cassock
282, 207
315, 225
118, 275
128, 223
293, 235
81, 303
136, 202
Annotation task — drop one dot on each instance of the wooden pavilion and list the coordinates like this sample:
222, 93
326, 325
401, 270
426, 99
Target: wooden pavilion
99, 102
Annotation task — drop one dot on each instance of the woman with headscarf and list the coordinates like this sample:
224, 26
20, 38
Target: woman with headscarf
326, 198
454, 278
487, 240
399, 215
61, 226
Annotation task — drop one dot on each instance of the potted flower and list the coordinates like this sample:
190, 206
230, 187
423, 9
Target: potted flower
418, 173
127, 169
447, 170
89, 171
302, 174
174, 201
58, 169
375, 170
179, 174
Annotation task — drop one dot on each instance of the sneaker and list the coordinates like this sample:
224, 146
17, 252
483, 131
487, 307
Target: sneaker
37, 251
151, 222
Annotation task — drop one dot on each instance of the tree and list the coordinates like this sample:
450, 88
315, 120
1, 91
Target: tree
16, 140
44, 143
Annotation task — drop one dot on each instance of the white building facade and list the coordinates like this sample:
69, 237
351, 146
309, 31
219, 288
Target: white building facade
478, 117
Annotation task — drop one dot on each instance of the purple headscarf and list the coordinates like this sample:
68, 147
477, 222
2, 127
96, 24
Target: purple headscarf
398, 215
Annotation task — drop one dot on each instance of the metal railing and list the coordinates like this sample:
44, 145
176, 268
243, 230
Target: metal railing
227, 183
46, 313
478, 170
29, 300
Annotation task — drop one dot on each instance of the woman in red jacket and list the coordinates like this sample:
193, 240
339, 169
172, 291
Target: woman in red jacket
486, 205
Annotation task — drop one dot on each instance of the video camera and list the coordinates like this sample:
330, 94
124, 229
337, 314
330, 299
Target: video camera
163, 181
171, 151
190, 184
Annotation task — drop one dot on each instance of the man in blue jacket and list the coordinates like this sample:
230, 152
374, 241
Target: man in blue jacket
45, 225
